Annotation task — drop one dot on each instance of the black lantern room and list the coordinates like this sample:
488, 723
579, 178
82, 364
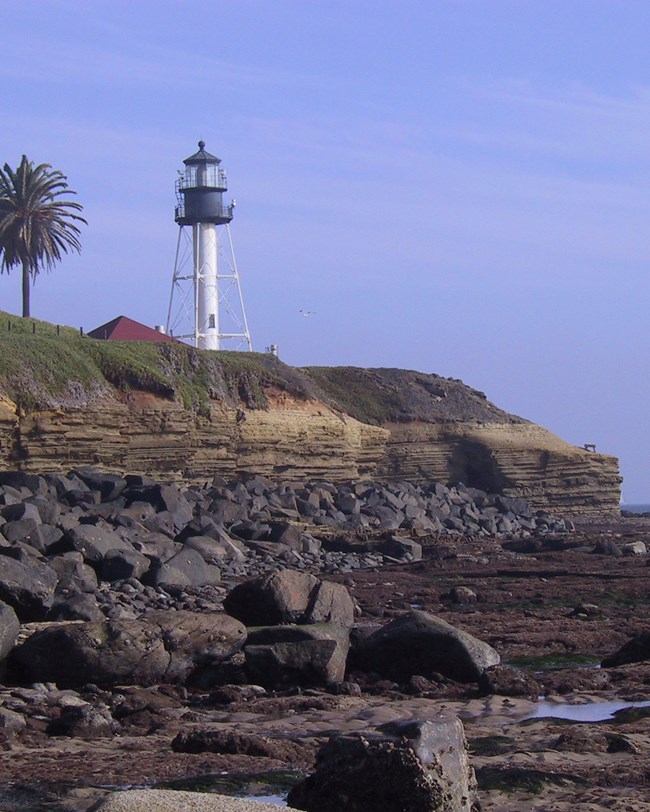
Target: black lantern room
199, 191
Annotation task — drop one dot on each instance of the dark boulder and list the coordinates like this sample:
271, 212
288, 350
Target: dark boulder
161, 647
109, 486
290, 596
74, 574
9, 628
462, 595
118, 565
157, 547
32, 483
92, 541
77, 607
21, 510
420, 643
285, 656
26, 530
402, 549
103, 653
505, 680
605, 546
196, 640
27, 587
84, 721
48, 508
330, 603
217, 551
415, 766
163, 498
186, 568
635, 650
280, 597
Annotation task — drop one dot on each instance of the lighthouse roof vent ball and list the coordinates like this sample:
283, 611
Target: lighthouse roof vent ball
201, 156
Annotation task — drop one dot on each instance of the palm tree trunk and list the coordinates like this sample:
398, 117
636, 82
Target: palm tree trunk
26, 281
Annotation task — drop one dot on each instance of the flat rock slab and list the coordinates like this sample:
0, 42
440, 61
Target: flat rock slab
163, 800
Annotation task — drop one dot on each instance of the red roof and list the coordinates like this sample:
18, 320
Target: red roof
124, 329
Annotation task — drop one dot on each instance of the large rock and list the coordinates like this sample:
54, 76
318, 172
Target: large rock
9, 628
414, 766
287, 656
74, 574
162, 647
330, 603
402, 549
27, 587
194, 640
636, 650
118, 565
418, 643
289, 596
217, 551
164, 498
76, 607
20, 511
104, 653
84, 721
185, 568
93, 542
109, 486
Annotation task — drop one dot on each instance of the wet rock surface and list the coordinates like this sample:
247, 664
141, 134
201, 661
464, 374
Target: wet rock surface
419, 766
552, 610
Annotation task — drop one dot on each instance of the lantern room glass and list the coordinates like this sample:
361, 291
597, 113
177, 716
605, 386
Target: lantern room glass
204, 175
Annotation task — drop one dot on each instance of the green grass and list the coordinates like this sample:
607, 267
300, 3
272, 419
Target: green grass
42, 366
45, 366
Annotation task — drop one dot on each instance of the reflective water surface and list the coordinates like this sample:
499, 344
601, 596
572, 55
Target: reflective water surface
588, 712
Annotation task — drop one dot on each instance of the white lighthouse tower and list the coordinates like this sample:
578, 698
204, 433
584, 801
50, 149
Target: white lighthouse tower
206, 305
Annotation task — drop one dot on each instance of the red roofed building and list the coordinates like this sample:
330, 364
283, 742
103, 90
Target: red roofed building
125, 329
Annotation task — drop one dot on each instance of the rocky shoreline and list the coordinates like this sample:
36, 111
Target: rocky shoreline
151, 633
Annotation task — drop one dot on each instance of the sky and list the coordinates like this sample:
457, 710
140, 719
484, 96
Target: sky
454, 186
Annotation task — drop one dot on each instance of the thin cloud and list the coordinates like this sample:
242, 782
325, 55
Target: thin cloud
41, 60
571, 122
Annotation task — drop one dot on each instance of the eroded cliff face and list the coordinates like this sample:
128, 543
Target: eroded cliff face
159, 437
427, 428
516, 459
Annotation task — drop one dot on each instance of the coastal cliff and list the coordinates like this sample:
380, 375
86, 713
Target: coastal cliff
172, 412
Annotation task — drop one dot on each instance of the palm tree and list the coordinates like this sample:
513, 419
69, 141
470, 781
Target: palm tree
36, 228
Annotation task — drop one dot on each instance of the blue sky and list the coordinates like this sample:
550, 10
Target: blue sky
454, 186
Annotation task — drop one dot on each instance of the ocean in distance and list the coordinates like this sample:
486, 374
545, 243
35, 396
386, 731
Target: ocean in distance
636, 508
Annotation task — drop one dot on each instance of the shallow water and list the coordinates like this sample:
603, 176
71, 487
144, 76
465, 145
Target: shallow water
588, 712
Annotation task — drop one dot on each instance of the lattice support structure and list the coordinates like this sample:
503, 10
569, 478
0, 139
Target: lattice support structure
206, 307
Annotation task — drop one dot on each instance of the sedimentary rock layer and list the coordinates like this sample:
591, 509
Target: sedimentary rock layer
161, 438
440, 430
516, 459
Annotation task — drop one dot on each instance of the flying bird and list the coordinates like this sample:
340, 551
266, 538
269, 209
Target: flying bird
309, 312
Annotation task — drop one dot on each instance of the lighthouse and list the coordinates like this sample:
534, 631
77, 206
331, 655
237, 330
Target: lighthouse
206, 306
